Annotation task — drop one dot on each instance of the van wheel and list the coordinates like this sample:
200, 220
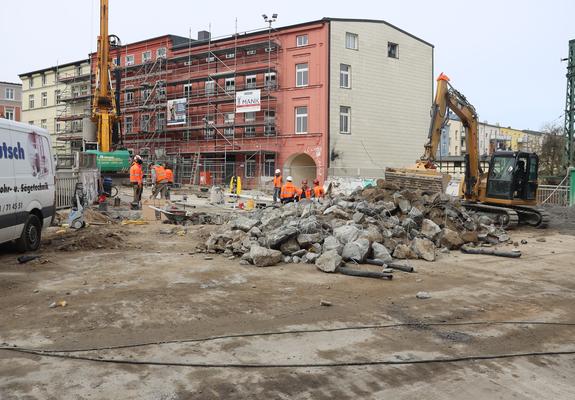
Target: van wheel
31, 235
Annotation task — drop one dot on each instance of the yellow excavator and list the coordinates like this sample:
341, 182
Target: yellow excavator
507, 192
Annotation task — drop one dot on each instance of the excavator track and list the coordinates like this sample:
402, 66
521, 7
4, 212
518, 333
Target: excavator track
511, 217
508, 218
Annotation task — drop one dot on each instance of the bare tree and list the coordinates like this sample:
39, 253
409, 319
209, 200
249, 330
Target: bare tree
552, 152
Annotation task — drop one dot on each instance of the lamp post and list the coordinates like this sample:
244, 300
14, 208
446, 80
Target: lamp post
269, 21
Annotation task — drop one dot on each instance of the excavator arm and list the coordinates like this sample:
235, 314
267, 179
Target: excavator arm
424, 173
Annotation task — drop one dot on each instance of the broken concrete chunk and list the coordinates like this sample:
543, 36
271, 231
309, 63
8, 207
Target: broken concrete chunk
244, 223
403, 204
262, 257
310, 258
423, 295
346, 234
357, 250
307, 239
328, 261
331, 243
358, 217
289, 246
403, 252
416, 215
380, 252
423, 248
430, 229
280, 235
450, 239
469, 237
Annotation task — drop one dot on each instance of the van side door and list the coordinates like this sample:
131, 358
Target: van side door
8, 219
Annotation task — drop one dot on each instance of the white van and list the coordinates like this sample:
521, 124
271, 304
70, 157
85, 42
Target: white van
27, 184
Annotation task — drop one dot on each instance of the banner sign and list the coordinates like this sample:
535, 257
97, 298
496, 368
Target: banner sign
177, 111
248, 101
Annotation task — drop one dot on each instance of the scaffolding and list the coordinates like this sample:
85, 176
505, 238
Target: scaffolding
570, 107
215, 140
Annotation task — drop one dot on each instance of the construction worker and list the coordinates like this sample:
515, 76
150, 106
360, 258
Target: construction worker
305, 192
289, 191
170, 179
318, 192
278, 181
159, 180
137, 180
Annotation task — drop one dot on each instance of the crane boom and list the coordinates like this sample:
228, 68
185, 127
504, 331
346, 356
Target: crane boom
104, 103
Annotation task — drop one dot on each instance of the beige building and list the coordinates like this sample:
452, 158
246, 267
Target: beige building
58, 99
381, 90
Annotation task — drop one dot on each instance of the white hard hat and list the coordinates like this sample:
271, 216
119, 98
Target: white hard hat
137, 157
278, 171
289, 179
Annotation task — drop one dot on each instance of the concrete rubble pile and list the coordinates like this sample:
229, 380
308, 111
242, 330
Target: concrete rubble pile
375, 223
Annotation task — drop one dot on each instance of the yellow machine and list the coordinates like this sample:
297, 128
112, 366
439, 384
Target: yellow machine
104, 111
507, 192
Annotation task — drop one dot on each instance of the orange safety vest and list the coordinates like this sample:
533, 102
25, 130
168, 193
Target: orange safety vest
318, 192
288, 191
169, 175
136, 174
278, 181
307, 193
160, 173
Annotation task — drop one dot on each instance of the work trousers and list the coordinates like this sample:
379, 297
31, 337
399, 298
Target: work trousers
277, 191
138, 189
161, 188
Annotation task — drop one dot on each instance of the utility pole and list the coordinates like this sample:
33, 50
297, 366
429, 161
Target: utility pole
269, 78
570, 107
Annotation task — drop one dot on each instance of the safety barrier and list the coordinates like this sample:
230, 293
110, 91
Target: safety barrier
553, 195
65, 186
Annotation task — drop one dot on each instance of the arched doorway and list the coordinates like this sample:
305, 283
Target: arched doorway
300, 166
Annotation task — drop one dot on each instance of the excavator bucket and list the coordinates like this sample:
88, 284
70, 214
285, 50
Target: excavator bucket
428, 180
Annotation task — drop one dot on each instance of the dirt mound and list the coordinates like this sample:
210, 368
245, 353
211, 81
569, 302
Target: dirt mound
562, 219
90, 238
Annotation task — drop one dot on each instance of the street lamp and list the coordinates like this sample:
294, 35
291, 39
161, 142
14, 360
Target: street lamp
269, 21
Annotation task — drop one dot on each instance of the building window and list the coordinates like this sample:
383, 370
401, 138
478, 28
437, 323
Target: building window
249, 131
161, 90
345, 76
188, 90
146, 56
301, 40
31, 82
161, 52
161, 121
9, 114
30, 101
210, 87
79, 70
129, 97
77, 126
229, 118
270, 80
129, 60
301, 75
229, 132
269, 164
251, 81
230, 85
57, 96
251, 52
58, 127
44, 99
230, 55
44, 124
301, 120
392, 50
250, 117
145, 123
351, 41
345, 120
43, 76
251, 168
270, 121
9, 94
209, 132
128, 124
115, 62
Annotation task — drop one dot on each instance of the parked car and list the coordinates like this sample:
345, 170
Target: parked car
27, 184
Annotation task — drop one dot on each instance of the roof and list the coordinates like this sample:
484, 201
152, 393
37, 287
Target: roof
54, 68
313, 22
530, 132
175, 39
10, 83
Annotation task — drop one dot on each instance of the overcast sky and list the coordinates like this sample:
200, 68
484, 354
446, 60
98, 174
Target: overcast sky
503, 55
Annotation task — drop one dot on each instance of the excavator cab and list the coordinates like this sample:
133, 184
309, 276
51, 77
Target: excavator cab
513, 176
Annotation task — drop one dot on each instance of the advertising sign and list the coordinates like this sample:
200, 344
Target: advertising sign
177, 111
248, 101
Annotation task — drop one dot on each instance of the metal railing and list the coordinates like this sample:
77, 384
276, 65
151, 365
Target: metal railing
553, 195
65, 186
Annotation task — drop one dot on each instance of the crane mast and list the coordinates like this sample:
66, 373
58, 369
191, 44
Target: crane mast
104, 112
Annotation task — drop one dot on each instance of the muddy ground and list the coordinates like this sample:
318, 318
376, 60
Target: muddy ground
130, 284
